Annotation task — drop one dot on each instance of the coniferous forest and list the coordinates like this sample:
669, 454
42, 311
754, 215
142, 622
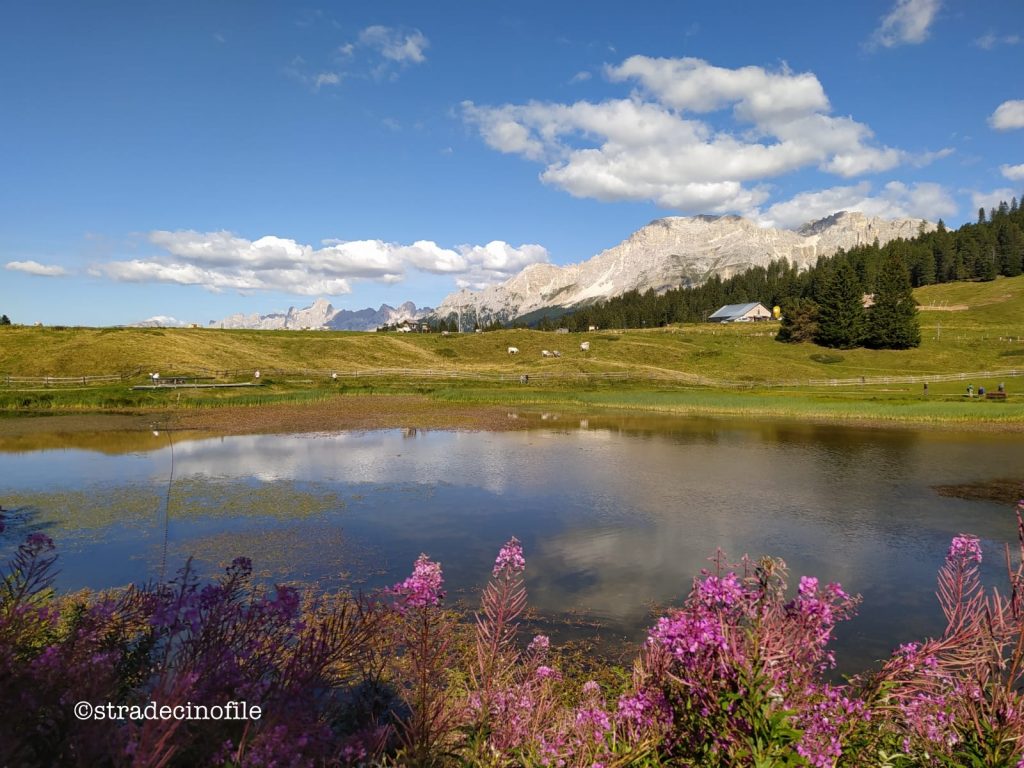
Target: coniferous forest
824, 303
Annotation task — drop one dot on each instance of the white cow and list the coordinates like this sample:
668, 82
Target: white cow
556, 353
513, 350
585, 346
545, 353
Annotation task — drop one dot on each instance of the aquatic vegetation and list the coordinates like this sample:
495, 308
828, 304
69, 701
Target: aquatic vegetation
737, 675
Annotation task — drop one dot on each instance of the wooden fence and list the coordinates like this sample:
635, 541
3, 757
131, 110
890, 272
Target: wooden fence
67, 380
918, 379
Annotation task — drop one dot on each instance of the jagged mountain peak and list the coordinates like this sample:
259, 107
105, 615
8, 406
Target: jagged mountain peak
321, 315
675, 251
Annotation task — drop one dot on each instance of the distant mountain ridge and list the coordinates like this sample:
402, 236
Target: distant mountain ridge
672, 252
666, 253
321, 315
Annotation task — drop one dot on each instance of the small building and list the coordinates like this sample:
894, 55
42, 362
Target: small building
741, 313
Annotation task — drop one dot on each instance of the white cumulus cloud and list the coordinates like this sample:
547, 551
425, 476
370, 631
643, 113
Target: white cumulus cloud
895, 200
908, 23
1013, 172
222, 261
658, 145
164, 321
990, 40
1008, 116
326, 78
396, 45
35, 268
990, 200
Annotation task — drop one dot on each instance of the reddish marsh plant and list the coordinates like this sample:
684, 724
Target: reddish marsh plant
423, 654
957, 700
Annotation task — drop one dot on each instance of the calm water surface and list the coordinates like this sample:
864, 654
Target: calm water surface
616, 514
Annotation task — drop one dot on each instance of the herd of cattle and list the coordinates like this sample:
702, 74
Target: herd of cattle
584, 347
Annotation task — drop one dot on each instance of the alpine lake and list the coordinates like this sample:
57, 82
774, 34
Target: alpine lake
617, 514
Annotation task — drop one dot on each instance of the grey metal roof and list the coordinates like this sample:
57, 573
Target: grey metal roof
734, 310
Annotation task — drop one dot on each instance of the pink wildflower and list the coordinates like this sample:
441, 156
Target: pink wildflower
808, 586
539, 645
725, 591
547, 673
965, 547
423, 587
510, 557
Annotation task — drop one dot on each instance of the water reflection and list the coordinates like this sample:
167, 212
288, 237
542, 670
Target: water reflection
616, 513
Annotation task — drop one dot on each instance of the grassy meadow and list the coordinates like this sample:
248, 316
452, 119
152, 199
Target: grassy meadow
694, 368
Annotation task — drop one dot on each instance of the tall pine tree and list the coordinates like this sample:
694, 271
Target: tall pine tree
892, 320
841, 309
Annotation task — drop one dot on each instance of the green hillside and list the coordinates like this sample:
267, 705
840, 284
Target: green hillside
967, 328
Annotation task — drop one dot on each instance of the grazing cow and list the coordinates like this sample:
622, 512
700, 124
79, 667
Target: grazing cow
556, 353
513, 350
545, 353
585, 346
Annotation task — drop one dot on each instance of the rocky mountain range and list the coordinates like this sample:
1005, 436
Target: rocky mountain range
671, 252
321, 315
667, 253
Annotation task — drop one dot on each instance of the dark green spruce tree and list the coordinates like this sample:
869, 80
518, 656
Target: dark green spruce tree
799, 320
5, 320
892, 320
841, 309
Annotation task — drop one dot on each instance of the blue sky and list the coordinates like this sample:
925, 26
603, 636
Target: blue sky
197, 159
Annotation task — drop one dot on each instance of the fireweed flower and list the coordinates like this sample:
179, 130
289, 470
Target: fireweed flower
593, 720
539, 645
545, 673
643, 710
966, 548
686, 636
423, 587
725, 591
510, 557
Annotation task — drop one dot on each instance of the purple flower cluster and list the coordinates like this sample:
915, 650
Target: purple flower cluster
965, 549
423, 587
725, 591
825, 711
545, 672
539, 646
643, 711
689, 637
739, 668
510, 558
